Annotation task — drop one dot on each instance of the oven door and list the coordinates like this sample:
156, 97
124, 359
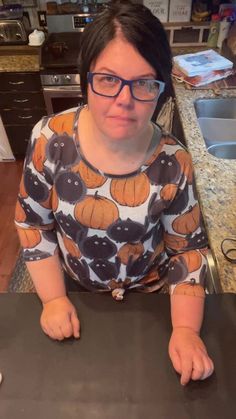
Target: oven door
60, 98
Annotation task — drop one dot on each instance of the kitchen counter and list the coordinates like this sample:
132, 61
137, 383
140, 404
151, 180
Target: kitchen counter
216, 182
119, 368
19, 58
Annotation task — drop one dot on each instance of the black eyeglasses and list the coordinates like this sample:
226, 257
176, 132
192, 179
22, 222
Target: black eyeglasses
108, 85
228, 248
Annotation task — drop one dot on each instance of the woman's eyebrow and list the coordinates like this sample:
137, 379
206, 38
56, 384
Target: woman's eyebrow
109, 71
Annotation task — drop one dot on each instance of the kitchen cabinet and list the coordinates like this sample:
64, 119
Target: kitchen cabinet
21, 106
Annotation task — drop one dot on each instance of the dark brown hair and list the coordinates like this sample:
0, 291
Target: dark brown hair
139, 27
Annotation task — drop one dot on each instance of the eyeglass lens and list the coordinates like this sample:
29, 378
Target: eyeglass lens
109, 85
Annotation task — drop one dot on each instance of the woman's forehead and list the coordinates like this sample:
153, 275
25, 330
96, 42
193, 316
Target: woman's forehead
120, 55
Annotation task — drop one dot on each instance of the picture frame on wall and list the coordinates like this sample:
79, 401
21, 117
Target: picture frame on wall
159, 8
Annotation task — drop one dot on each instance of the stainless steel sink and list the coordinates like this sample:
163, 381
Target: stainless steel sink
216, 108
217, 120
223, 151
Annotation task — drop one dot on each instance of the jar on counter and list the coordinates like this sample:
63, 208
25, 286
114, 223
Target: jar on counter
213, 31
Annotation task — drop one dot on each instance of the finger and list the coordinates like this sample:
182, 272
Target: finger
175, 359
67, 329
57, 333
49, 332
75, 324
198, 369
53, 331
186, 370
45, 327
208, 368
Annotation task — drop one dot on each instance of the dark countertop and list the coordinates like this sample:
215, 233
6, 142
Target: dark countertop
119, 368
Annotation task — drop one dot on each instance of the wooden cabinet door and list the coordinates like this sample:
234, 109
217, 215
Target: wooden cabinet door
21, 106
20, 82
21, 117
21, 100
19, 137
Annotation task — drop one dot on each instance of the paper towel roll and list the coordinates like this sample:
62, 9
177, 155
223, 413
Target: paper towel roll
5, 149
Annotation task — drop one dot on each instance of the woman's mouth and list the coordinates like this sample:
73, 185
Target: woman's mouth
123, 119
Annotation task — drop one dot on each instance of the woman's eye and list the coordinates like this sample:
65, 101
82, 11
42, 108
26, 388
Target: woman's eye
141, 83
146, 84
109, 79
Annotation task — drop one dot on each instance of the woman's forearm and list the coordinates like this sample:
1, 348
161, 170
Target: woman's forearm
187, 311
48, 278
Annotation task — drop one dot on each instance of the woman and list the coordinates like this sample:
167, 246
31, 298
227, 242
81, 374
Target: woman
109, 196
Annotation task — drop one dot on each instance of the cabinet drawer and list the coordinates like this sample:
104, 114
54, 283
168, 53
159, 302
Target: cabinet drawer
20, 81
21, 100
19, 137
21, 116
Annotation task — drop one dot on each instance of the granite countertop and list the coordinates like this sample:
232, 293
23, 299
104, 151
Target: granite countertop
216, 182
19, 58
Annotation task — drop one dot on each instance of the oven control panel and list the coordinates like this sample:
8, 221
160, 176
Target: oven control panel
60, 79
80, 21
69, 22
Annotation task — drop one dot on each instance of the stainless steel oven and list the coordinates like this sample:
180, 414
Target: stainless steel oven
59, 72
61, 92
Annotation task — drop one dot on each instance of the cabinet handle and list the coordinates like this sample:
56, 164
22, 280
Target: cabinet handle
16, 82
20, 100
25, 117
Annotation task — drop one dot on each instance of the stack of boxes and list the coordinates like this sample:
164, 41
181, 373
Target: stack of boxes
170, 10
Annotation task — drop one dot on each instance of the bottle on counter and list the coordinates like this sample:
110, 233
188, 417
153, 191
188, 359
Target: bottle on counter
223, 31
213, 31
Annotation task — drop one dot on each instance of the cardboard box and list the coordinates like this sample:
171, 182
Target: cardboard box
160, 8
180, 10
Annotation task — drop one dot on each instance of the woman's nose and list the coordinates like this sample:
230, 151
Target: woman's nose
125, 96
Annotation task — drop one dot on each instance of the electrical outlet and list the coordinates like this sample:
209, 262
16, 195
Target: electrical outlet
42, 18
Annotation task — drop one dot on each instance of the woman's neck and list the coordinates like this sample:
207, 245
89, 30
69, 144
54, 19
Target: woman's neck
126, 147
111, 156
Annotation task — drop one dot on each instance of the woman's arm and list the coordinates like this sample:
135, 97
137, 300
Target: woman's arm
186, 245
35, 221
59, 318
186, 349
48, 279
187, 311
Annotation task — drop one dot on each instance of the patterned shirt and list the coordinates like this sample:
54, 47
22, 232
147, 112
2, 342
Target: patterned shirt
140, 230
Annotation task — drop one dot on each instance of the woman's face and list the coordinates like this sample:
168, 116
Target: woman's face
121, 117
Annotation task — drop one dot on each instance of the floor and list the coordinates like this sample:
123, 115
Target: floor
10, 174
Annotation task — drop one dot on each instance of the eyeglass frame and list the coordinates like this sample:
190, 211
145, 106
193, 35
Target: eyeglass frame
125, 82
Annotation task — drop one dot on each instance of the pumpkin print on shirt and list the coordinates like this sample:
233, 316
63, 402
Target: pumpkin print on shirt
142, 230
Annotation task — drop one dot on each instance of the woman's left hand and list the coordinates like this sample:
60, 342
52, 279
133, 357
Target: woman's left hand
189, 355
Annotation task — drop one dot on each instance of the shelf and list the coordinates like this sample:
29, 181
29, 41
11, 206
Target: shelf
187, 33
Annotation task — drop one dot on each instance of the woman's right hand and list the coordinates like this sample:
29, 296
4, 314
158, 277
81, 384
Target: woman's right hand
59, 319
